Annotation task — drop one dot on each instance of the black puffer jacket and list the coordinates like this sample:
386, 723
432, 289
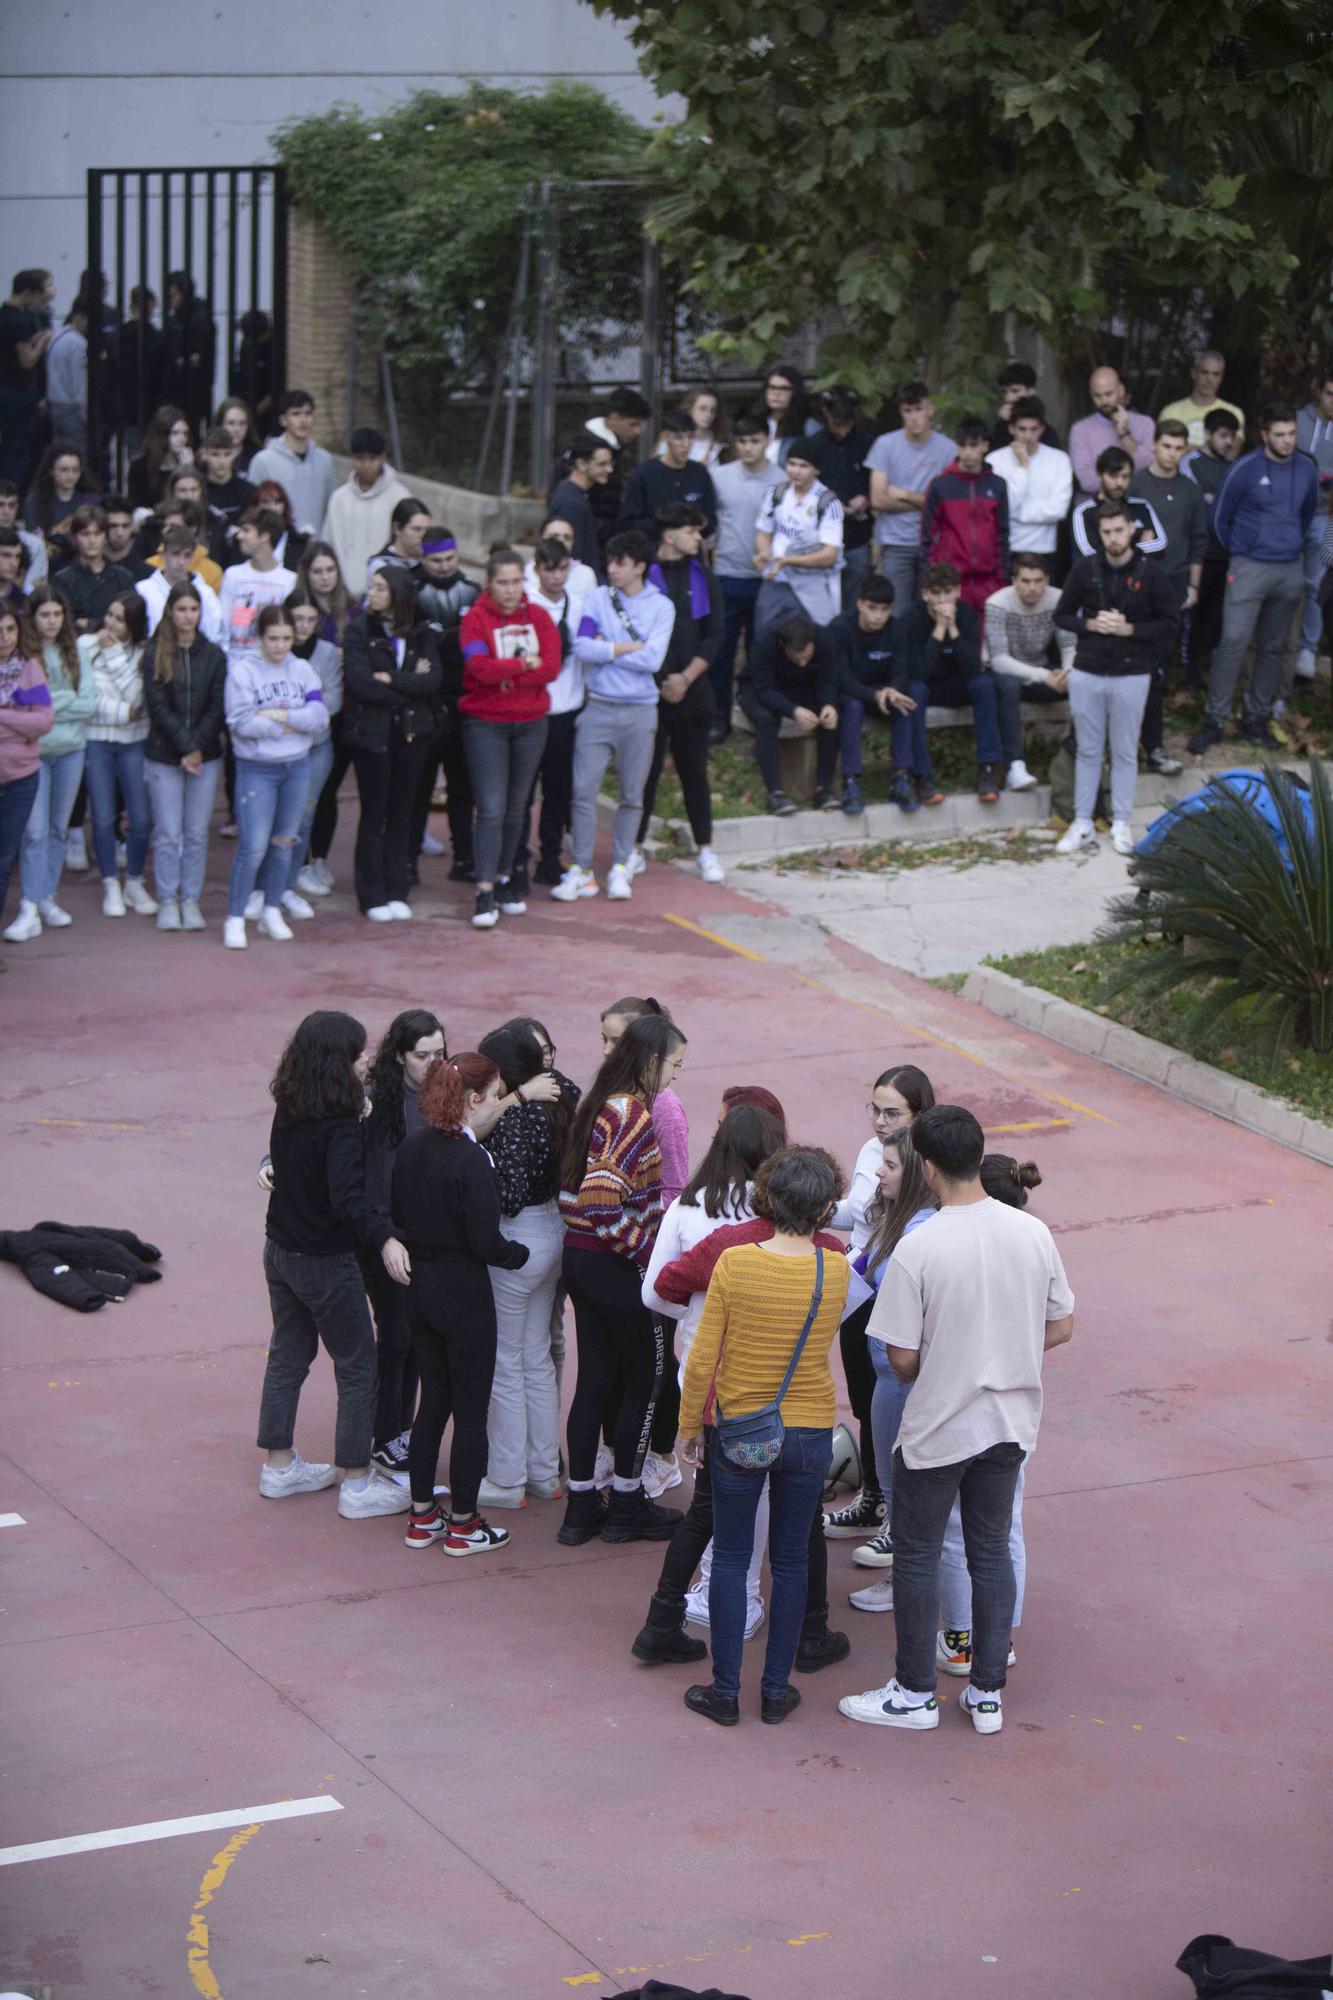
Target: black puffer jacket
401, 708
187, 712
80, 1265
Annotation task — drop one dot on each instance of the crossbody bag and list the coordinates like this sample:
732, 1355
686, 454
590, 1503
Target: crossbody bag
753, 1442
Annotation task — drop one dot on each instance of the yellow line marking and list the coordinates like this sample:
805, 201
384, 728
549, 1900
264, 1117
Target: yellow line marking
810, 1937
201, 1972
715, 937
1033, 1125
105, 1125
582, 1979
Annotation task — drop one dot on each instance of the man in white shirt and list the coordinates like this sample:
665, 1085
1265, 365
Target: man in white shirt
798, 546
1040, 479
550, 580
968, 1305
178, 546
248, 586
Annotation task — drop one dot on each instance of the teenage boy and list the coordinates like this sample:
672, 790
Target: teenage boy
1040, 479
968, 1309
443, 597
360, 512
407, 532
1016, 378
553, 581
620, 426
842, 445
12, 557
256, 581
177, 552
1023, 644
673, 480
867, 640
90, 582
34, 548
1206, 372
902, 464
621, 643
1208, 468
741, 489
798, 545
965, 520
591, 463
25, 335
1121, 609
301, 467
940, 661
1115, 472
1262, 518
583, 579
225, 494
185, 513
67, 380
1179, 506
793, 675
685, 693
120, 538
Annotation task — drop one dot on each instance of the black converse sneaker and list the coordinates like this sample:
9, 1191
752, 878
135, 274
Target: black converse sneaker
865, 1516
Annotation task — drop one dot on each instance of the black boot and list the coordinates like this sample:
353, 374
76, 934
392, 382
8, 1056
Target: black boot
633, 1517
821, 1649
723, 1708
777, 1707
584, 1514
663, 1640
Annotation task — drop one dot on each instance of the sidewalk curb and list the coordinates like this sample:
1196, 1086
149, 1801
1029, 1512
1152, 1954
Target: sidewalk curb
1181, 1076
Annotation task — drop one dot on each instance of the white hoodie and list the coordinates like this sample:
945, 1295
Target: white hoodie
1039, 495
358, 522
681, 1229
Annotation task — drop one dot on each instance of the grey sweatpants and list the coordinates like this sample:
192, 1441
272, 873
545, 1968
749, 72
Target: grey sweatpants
1106, 706
627, 732
1259, 602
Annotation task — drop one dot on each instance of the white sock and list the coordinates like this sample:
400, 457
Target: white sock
581, 1485
913, 1697
624, 1485
357, 1485
972, 1695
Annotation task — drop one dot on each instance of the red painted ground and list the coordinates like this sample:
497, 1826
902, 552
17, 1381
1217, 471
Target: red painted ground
527, 1813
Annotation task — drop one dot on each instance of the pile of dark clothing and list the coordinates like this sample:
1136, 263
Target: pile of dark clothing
80, 1264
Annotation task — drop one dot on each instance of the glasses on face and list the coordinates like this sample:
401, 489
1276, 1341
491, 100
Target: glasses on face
885, 1115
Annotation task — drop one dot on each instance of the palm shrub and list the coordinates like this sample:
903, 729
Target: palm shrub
1237, 915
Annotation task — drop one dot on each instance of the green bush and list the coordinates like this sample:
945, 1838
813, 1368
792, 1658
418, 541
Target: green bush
1240, 923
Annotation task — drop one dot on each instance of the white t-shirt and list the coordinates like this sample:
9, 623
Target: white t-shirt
567, 691
798, 524
245, 592
851, 1210
972, 1294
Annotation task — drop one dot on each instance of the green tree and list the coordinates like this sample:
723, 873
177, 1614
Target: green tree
426, 204
909, 173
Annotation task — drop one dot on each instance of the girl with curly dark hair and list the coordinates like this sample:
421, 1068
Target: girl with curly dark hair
319, 1214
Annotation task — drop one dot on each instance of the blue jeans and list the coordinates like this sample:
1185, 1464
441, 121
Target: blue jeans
105, 766
321, 763
922, 1500
796, 1486
738, 601
982, 691
43, 856
16, 799
182, 810
270, 799
886, 1413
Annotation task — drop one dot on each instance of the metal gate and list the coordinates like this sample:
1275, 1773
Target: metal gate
193, 270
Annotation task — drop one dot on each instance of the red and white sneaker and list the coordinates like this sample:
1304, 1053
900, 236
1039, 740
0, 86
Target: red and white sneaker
423, 1529
473, 1538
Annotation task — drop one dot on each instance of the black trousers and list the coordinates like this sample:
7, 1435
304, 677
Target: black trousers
555, 775
615, 1332
446, 749
859, 1371
685, 1553
666, 1416
766, 751
687, 737
1205, 622
396, 1369
386, 781
325, 823
452, 1315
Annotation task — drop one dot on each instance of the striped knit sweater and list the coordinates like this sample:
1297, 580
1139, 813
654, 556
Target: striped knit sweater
618, 1204
752, 1317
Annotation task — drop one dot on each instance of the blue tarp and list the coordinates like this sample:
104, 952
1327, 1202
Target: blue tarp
1251, 785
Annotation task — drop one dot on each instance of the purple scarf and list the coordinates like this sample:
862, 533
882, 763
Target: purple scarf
699, 599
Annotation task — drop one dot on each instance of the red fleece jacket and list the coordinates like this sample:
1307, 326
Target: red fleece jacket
509, 660
684, 1276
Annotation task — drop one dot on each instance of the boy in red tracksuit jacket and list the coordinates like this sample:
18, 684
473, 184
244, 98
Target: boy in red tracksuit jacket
965, 519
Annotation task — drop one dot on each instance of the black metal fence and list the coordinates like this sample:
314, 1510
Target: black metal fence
192, 263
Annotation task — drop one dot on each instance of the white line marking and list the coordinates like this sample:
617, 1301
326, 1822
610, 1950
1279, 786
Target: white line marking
165, 1829
12, 1521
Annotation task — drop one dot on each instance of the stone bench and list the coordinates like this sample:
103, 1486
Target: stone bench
796, 747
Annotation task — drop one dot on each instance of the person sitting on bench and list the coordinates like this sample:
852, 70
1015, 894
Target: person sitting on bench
1024, 645
793, 673
941, 662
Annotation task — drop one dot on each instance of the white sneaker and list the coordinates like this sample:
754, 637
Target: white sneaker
53, 916
274, 925
168, 915
1122, 836
1019, 778
400, 912
875, 1596
296, 906
377, 1496
619, 888
890, 1708
574, 883
76, 851
27, 924
325, 876
986, 1710
636, 864
1080, 833
279, 1483
137, 897
490, 1495
710, 867
233, 934
113, 903
192, 917
430, 845
254, 904
877, 1553
604, 1467
696, 1610
1305, 664
310, 882
660, 1474
380, 914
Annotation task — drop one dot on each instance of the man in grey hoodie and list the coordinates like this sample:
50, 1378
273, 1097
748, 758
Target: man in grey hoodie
301, 467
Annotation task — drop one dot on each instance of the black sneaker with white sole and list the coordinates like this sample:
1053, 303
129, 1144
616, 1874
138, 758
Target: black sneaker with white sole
511, 896
392, 1456
485, 915
866, 1516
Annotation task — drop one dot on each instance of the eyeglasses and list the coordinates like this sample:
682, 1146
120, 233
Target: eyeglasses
876, 1111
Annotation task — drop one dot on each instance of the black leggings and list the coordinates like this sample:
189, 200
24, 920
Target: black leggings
396, 1369
325, 823
446, 748
452, 1315
666, 1417
686, 1547
615, 1331
688, 739
860, 1373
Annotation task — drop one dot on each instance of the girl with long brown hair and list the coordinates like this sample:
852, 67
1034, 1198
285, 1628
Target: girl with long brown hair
185, 694
47, 634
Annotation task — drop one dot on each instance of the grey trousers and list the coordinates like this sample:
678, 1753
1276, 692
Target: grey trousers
902, 566
625, 731
1259, 602
1106, 706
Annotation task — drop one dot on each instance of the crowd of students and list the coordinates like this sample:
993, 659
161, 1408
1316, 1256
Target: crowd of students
431, 1214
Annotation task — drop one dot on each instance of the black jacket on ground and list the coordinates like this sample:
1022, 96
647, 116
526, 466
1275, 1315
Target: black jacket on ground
320, 1205
446, 1202
187, 712
923, 657
779, 685
80, 1265
868, 661
405, 705
1142, 590
656, 484
89, 592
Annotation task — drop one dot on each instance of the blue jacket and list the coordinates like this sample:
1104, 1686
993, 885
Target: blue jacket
1266, 506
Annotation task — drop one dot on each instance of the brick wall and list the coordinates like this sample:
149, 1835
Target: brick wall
319, 318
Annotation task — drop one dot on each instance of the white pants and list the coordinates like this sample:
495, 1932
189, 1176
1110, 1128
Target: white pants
523, 1424
753, 1594
956, 1584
